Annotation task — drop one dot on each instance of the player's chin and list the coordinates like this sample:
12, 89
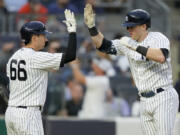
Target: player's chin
133, 37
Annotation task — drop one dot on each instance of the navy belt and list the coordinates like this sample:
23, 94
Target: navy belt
151, 93
25, 107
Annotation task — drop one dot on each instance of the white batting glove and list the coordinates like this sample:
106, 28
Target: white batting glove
70, 21
129, 43
89, 16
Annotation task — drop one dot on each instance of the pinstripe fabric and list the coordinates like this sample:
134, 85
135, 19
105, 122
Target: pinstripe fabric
147, 74
28, 74
32, 92
158, 112
21, 121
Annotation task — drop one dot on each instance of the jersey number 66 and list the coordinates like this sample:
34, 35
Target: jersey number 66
16, 71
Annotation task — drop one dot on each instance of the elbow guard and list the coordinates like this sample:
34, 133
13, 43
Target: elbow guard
107, 47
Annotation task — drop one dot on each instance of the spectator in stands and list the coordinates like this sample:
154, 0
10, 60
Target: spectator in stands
86, 52
5, 53
59, 6
117, 2
79, 4
3, 13
97, 86
177, 87
47, 2
86, 47
3, 9
70, 83
55, 46
55, 92
35, 9
116, 106
74, 105
55, 100
3, 99
14, 5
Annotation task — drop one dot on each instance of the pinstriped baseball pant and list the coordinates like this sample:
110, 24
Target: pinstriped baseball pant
158, 113
21, 121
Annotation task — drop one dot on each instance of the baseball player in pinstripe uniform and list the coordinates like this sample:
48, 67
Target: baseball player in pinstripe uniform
28, 70
149, 57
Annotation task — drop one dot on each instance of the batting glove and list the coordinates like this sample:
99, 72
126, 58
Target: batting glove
129, 43
89, 16
70, 21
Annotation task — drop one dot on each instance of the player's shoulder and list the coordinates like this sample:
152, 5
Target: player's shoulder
158, 35
15, 54
42, 54
30, 53
23, 50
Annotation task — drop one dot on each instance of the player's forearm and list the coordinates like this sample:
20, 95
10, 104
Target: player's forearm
155, 55
97, 40
70, 53
101, 43
96, 36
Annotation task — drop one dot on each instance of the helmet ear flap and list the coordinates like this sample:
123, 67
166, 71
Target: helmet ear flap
148, 23
28, 38
25, 35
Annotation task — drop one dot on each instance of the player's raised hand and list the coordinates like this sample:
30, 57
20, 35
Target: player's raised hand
89, 16
128, 42
70, 21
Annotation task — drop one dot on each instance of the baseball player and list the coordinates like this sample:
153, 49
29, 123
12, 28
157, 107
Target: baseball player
150, 63
28, 70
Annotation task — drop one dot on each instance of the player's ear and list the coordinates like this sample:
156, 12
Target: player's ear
144, 26
33, 38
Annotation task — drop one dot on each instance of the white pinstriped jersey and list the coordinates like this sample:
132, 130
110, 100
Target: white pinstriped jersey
148, 75
28, 74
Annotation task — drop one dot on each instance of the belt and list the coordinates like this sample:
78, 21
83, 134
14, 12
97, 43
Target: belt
25, 107
151, 93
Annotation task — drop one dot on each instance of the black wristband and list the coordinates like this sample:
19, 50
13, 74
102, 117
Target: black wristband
142, 50
93, 31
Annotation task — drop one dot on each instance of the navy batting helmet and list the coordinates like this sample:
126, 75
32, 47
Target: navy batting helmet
32, 28
137, 17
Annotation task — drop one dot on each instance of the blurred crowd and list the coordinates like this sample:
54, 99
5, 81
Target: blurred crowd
53, 6
66, 94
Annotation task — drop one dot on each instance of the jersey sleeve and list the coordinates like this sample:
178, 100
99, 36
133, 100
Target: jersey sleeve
46, 61
161, 41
